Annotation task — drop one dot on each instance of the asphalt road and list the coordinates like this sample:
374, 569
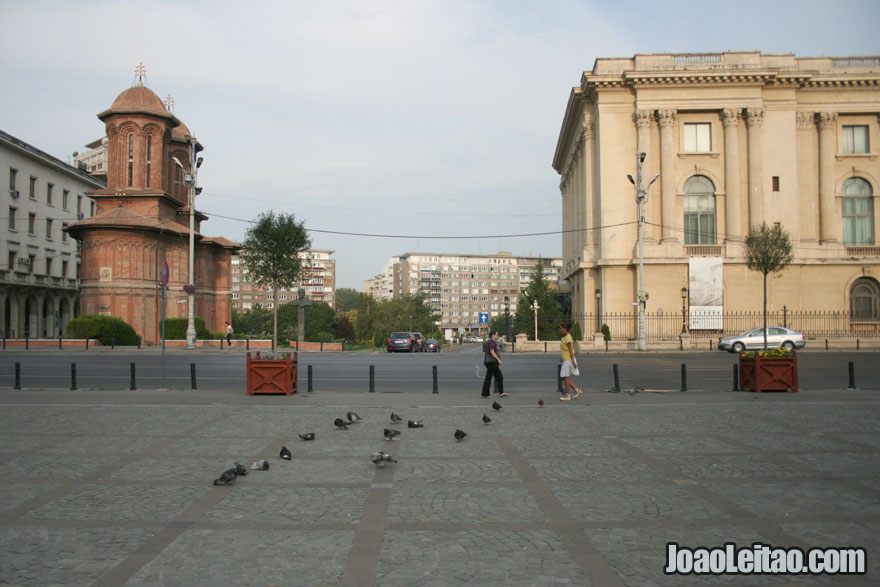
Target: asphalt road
459, 370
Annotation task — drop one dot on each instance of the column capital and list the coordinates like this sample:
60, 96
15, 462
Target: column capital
806, 120
731, 116
826, 120
643, 118
666, 117
754, 116
588, 126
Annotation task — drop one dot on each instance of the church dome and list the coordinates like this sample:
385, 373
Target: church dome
140, 99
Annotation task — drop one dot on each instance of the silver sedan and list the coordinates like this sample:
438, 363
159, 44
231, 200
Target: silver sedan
777, 337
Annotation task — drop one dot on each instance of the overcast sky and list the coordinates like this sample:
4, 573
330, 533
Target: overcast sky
410, 118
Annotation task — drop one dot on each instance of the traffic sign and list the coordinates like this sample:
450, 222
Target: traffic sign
484, 317
166, 273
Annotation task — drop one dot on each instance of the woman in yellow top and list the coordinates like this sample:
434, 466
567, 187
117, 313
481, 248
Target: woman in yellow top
569, 363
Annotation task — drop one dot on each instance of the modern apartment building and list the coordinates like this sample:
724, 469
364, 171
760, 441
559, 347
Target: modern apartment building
737, 139
318, 278
461, 287
39, 262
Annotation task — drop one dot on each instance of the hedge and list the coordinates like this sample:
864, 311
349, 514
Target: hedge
108, 329
175, 329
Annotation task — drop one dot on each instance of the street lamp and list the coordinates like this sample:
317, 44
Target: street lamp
190, 180
598, 310
535, 308
641, 196
684, 295
507, 317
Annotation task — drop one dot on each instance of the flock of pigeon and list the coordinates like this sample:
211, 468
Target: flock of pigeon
380, 458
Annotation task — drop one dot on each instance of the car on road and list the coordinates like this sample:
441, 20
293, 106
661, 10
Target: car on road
432, 345
777, 337
404, 342
423, 347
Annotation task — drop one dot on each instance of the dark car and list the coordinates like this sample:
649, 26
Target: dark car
423, 343
403, 342
432, 345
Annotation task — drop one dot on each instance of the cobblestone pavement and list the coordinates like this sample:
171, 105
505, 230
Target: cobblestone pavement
108, 492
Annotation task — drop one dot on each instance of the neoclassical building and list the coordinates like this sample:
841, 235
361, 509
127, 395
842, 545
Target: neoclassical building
737, 139
142, 223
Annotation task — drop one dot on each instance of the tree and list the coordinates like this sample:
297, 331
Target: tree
346, 299
549, 313
768, 250
376, 319
271, 254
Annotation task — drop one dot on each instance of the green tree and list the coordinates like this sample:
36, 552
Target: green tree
270, 252
549, 313
346, 299
376, 319
768, 250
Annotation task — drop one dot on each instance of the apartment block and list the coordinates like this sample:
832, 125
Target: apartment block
318, 279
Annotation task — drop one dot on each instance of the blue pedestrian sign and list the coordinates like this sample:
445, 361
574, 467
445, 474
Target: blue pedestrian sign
484, 317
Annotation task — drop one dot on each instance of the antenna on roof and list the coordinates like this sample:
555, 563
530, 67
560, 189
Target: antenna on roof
140, 72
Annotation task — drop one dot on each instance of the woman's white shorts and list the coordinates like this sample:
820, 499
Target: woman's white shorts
568, 369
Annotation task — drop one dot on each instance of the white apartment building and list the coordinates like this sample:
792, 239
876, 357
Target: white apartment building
318, 279
39, 262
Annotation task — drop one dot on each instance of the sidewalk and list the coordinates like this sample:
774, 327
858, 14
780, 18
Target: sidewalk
113, 489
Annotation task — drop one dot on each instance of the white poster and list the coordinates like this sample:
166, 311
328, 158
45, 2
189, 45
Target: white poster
706, 293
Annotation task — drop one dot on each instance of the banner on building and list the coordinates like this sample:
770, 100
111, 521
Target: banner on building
706, 293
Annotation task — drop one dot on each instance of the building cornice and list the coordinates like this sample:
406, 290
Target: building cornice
31, 152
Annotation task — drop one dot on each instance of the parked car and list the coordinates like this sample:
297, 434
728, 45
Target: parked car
423, 347
777, 337
432, 345
403, 342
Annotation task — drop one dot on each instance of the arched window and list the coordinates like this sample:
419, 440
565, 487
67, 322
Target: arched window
858, 213
864, 300
699, 211
130, 158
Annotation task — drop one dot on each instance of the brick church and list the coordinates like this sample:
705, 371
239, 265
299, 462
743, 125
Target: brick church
142, 223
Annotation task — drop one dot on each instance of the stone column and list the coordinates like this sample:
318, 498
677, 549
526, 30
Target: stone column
733, 219
588, 218
644, 119
808, 204
754, 121
827, 209
668, 212
4, 327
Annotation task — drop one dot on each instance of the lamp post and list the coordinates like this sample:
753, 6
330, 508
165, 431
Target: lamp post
507, 318
598, 310
684, 295
641, 196
535, 308
190, 180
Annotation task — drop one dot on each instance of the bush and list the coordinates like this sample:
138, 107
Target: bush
606, 332
576, 331
108, 329
175, 329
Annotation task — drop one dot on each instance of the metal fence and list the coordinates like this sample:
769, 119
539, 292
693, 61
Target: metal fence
831, 325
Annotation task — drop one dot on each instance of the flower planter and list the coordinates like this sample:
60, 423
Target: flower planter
759, 373
272, 375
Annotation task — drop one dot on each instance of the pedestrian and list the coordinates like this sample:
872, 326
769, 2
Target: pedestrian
229, 332
493, 366
569, 363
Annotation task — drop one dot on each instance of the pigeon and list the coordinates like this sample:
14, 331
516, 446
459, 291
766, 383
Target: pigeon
353, 416
415, 424
261, 465
227, 478
340, 423
496, 406
380, 458
390, 434
308, 436
540, 403
395, 418
486, 419
285, 453
240, 470
636, 390
460, 434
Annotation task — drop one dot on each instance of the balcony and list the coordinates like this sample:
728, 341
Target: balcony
21, 278
863, 251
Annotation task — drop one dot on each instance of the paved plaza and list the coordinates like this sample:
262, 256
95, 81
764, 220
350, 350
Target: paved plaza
115, 488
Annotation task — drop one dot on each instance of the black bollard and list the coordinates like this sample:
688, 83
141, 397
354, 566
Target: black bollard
310, 389
736, 378
560, 384
192, 376
73, 386
436, 389
857, 344
826, 344
133, 378
4, 341
59, 343
17, 376
372, 379
139, 343
684, 377
247, 343
616, 378
852, 376
87, 343
27, 343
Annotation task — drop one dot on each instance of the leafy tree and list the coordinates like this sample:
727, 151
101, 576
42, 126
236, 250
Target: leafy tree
271, 254
343, 327
768, 250
549, 312
255, 323
346, 299
376, 319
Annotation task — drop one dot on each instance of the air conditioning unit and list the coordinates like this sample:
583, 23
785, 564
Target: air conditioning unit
80, 216
13, 193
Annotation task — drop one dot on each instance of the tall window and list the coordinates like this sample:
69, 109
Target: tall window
697, 137
64, 226
699, 211
130, 158
65, 199
864, 300
32, 223
149, 156
48, 229
50, 192
858, 213
855, 139
32, 188
12, 213
13, 182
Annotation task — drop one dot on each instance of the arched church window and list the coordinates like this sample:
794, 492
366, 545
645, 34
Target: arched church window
149, 156
858, 213
864, 300
699, 211
130, 158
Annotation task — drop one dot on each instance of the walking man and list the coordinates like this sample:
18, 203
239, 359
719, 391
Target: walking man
569, 363
229, 332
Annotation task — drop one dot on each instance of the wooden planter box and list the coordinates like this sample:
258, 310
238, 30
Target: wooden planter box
272, 375
768, 374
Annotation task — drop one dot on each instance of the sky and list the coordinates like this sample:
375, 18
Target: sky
386, 126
